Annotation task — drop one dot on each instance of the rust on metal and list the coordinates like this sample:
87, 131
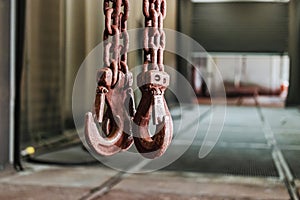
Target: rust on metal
153, 82
108, 127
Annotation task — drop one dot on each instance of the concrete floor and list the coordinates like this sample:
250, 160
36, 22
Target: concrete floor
256, 157
51, 182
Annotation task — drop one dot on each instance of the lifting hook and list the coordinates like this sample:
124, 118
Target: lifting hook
153, 85
108, 132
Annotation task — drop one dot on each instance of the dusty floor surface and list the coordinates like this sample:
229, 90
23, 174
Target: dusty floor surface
257, 149
64, 183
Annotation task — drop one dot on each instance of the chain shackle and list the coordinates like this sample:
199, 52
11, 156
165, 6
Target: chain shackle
153, 82
108, 128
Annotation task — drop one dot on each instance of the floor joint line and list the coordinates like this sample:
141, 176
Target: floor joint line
282, 167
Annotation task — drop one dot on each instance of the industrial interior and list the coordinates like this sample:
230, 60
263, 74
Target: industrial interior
231, 90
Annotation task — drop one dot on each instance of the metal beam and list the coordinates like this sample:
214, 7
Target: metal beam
4, 81
294, 53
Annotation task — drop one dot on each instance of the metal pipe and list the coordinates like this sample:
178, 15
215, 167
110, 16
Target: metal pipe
12, 79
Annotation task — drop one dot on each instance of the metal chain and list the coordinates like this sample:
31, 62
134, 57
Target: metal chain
115, 55
153, 82
112, 132
154, 35
115, 81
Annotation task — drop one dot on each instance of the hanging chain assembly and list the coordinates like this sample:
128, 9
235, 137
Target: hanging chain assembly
153, 82
108, 127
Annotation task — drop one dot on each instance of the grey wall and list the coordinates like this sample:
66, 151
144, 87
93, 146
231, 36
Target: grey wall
294, 53
241, 27
4, 81
43, 78
185, 8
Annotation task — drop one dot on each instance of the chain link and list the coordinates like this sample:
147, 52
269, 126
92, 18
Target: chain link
108, 129
115, 54
154, 35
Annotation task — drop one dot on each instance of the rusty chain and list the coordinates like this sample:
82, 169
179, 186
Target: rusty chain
114, 103
116, 24
153, 82
154, 35
114, 87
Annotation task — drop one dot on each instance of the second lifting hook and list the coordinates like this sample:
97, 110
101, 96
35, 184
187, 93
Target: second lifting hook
153, 85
